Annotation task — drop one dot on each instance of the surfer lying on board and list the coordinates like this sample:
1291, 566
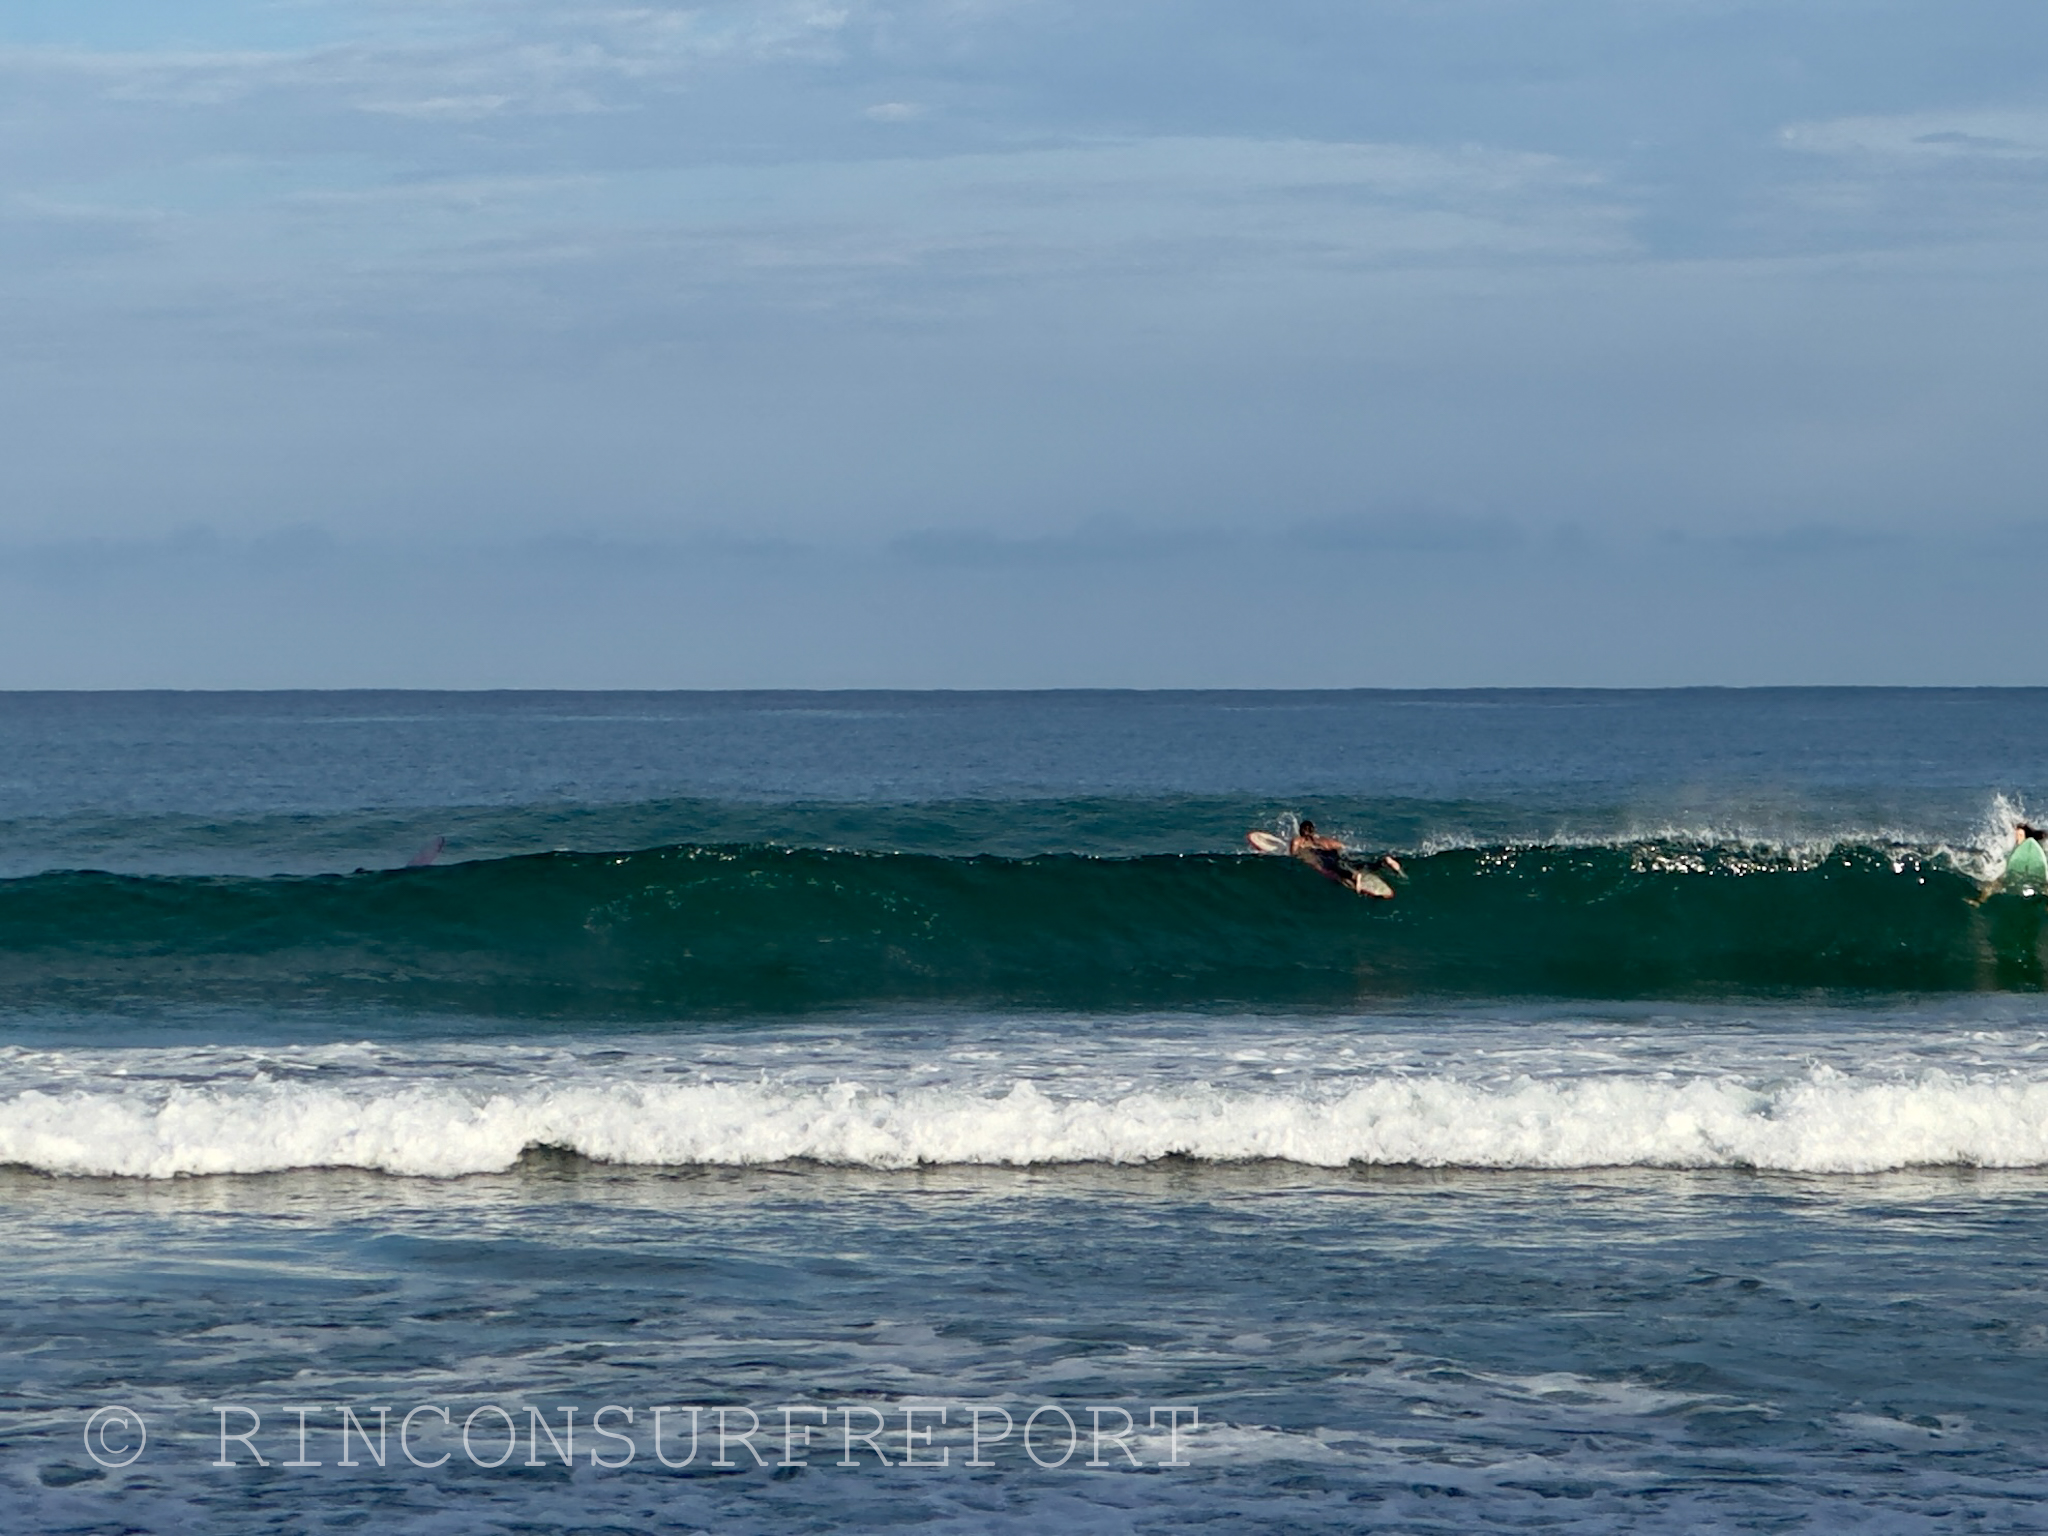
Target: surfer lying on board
1326, 856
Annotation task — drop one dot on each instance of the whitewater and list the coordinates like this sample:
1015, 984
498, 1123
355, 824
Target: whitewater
1355, 1095
1671, 1153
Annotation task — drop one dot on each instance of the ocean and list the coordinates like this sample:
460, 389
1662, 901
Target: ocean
608, 1112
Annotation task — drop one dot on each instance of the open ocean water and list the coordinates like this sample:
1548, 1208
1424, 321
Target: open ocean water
857, 1112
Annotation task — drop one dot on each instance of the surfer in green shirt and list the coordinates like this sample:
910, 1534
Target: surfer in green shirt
2026, 862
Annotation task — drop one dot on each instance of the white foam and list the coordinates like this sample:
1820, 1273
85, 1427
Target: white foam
1821, 1122
1773, 839
1993, 840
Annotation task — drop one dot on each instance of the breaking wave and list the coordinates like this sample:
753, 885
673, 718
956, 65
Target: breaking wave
1823, 1122
675, 931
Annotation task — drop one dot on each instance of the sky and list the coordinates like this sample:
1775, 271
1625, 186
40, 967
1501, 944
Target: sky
1018, 343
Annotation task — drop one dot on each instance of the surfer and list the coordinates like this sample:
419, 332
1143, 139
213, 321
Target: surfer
1322, 852
2025, 865
1326, 856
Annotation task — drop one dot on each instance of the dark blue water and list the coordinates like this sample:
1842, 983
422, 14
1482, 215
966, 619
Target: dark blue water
296, 753
1665, 1156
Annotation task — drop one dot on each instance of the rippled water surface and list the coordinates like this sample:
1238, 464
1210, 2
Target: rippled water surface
1667, 1155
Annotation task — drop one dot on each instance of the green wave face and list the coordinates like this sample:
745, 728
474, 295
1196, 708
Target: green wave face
750, 929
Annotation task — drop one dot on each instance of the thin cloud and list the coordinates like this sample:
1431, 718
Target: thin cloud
1928, 136
509, 58
1098, 541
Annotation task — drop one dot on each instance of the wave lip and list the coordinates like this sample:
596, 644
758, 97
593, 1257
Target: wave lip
1824, 1123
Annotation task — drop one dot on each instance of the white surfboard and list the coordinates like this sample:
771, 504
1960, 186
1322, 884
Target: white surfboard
1366, 883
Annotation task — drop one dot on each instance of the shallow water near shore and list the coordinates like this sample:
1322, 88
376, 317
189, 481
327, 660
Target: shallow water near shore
1404, 1349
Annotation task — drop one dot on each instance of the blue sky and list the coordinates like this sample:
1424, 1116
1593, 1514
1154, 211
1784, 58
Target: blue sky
1015, 342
